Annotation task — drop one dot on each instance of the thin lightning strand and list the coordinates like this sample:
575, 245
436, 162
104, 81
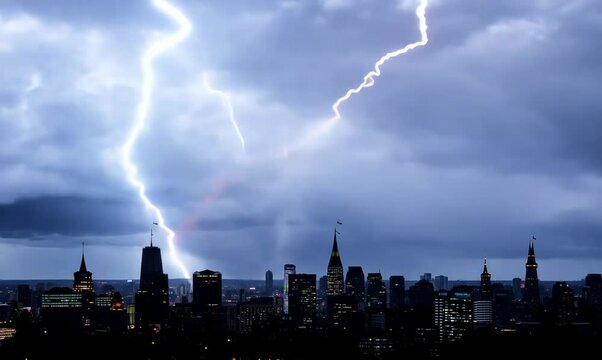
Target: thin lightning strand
155, 49
228, 103
368, 81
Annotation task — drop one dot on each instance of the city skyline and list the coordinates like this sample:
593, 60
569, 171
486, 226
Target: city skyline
463, 148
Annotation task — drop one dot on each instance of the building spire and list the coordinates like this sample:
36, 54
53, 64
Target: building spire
485, 266
82, 266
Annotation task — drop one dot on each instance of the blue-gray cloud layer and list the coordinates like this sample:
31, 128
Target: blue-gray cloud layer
461, 150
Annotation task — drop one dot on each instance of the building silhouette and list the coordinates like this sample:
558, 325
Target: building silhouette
302, 299
288, 270
269, 283
376, 291
441, 282
207, 297
62, 310
83, 284
355, 286
483, 304
563, 303
453, 313
397, 292
335, 283
531, 294
152, 303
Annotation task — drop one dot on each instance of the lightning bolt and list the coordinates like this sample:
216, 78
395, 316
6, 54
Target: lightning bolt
152, 52
228, 103
369, 80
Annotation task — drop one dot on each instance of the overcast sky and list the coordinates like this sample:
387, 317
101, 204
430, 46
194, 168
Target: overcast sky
462, 149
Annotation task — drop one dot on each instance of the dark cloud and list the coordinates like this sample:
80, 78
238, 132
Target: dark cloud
35, 218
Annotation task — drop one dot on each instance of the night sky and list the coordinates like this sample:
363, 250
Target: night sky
463, 149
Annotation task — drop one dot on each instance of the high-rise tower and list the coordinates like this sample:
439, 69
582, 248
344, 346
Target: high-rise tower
485, 289
531, 281
82, 279
289, 269
152, 304
335, 283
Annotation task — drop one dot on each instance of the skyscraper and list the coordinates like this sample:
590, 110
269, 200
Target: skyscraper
485, 289
152, 304
563, 303
397, 291
531, 294
453, 313
302, 299
288, 270
335, 285
483, 305
376, 294
207, 297
355, 286
82, 283
269, 283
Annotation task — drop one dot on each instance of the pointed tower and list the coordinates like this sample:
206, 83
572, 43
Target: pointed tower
531, 280
485, 289
335, 283
82, 279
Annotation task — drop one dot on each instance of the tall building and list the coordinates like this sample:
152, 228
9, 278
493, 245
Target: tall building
82, 279
453, 313
485, 288
24, 295
335, 285
302, 299
288, 270
441, 282
483, 305
426, 277
355, 286
82, 283
151, 299
376, 294
207, 297
517, 288
269, 283
531, 294
397, 291
563, 304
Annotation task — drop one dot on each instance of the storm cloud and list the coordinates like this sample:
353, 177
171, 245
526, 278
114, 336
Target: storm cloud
462, 149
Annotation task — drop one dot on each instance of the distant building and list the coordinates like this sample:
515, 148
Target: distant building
62, 310
485, 288
256, 314
336, 284
563, 303
397, 292
376, 291
152, 303
207, 297
288, 270
453, 313
355, 286
269, 283
426, 277
302, 299
517, 288
24, 296
441, 283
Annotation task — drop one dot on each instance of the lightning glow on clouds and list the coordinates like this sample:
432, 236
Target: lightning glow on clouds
152, 52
